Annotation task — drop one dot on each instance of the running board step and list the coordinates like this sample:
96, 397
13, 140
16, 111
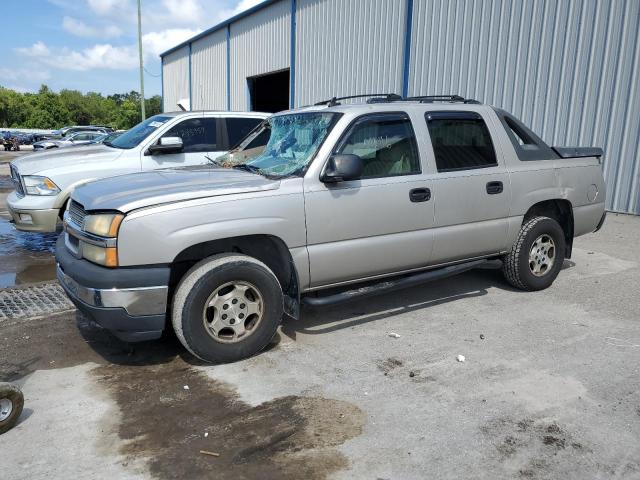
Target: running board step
404, 282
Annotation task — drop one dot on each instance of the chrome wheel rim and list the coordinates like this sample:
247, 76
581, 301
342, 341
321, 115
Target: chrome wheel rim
6, 407
233, 312
542, 255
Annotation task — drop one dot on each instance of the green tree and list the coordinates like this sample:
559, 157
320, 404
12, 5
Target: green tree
50, 110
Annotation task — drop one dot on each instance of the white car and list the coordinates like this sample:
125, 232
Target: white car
44, 181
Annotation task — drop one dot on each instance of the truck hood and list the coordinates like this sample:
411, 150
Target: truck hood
39, 163
138, 190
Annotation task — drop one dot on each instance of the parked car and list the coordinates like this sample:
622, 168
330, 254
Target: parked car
75, 139
65, 131
397, 192
44, 180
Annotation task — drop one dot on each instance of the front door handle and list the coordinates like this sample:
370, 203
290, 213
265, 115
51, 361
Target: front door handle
420, 195
493, 188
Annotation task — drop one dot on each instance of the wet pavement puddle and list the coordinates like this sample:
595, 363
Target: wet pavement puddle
25, 257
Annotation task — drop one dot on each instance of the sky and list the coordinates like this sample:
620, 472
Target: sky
91, 45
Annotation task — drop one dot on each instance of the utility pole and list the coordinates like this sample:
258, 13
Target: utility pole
141, 62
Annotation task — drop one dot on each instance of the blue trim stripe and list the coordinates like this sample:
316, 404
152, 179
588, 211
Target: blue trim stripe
407, 48
292, 67
190, 86
162, 85
228, 66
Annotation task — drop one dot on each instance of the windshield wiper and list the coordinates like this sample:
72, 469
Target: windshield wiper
214, 161
248, 168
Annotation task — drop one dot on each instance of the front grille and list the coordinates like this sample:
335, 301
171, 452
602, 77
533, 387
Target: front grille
77, 213
15, 178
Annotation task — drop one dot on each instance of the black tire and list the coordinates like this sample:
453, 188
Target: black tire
194, 291
516, 266
9, 393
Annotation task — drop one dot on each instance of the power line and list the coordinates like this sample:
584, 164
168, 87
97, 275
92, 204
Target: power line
151, 74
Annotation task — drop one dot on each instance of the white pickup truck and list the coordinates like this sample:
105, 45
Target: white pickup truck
44, 181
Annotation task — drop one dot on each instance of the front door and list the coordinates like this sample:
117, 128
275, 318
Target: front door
200, 137
376, 225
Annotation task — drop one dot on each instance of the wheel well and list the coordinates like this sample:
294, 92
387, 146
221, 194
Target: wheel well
270, 250
561, 211
63, 209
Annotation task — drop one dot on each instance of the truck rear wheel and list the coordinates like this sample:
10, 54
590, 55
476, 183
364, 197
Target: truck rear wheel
227, 307
536, 256
11, 404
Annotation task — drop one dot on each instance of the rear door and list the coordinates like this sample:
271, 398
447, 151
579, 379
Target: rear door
376, 225
471, 187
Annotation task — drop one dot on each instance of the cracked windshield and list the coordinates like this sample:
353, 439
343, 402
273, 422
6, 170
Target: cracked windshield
292, 142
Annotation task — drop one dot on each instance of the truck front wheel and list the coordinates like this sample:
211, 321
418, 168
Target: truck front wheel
537, 255
227, 307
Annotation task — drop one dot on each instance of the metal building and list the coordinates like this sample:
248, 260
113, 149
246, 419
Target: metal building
567, 68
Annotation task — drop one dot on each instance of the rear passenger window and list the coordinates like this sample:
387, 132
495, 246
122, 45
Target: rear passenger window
386, 144
461, 141
238, 128
197, 134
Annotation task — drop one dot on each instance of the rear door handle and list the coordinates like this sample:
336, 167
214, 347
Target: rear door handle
420, 195
493, 188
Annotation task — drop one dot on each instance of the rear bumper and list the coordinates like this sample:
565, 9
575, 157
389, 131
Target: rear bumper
131, 303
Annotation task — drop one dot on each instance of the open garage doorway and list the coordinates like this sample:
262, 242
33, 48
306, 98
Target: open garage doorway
270, 92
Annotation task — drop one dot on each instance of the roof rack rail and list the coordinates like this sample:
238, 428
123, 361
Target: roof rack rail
442, 98
388, 97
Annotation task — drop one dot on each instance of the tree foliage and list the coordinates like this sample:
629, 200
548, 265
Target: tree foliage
49, 110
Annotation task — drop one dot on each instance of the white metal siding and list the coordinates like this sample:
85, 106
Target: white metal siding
568, 69
209, 72
175, 78
260, 43
348, 47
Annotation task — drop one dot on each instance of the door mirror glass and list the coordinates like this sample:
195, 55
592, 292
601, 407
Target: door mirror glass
342, 168
166, 145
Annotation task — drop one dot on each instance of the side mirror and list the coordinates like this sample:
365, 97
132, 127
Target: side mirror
166, 145
342, 168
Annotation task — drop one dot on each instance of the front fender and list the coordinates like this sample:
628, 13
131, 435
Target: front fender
157, 235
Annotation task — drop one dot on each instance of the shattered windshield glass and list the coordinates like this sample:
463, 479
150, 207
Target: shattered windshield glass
293, 141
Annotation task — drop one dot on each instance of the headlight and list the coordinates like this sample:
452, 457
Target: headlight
35, 185
103, 224
107, 256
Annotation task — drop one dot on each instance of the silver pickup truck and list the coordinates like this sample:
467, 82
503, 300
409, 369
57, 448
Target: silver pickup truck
344, 201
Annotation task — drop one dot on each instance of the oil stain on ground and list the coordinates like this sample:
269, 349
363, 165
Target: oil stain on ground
161, 422
543, 449
289, 437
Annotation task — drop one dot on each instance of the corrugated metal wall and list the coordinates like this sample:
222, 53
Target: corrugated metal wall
568, 69
260, 43
209, 72
348, 47
175, 78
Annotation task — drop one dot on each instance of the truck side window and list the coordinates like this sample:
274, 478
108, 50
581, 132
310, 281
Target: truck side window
461, 141
386, 143
238, 128
197, 134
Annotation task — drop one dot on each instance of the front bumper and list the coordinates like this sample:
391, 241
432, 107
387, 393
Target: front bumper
32, 220
130, 302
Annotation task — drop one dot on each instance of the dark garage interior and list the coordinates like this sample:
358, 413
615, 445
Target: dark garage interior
270, 92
